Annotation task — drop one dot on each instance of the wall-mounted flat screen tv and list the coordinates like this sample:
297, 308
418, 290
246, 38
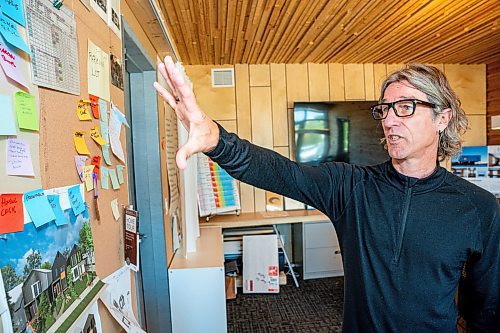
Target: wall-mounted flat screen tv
337, 131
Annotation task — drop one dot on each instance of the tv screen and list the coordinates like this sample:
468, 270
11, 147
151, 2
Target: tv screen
337, 131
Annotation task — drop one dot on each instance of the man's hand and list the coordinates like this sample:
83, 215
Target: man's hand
203, 132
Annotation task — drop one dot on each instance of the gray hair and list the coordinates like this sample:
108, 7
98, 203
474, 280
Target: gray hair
432, 82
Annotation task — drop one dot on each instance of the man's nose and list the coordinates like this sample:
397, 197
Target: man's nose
391, 117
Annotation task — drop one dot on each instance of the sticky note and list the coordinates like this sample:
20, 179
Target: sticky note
96, 136
96, 162
7, 122
80, 145
13, 9
87, 177
114, 179
115, 209
11, 213
38, 207
82, 110
19, 161
94, 106
11, 63
76, 200
119, 172
104, 178
8, 29
80, 163
27, 117
56, 208
105, 154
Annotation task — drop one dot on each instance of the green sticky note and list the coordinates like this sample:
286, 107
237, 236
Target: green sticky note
119, 171
104, 178
114, 179
27, 117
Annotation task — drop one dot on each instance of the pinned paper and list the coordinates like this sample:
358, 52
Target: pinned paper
96, 136
80, 145
121, 117
82, 110
11, 64
19, 161
14, 10
103, 111
104, 178
56, 208
96, 162
119, 171
27, 116
115, 127
97, 71
80, 163
94, 106
114, 179
75, 199
12, 215
8, 29
115, 209
38, 207
87, 177
7, 122
105, 154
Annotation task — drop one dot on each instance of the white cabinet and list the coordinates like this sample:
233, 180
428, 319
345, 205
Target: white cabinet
320, 251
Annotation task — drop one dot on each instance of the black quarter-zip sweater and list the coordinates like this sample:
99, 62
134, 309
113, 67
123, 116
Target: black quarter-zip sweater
404, 241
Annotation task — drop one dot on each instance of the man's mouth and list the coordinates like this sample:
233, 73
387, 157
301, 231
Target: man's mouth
393, 138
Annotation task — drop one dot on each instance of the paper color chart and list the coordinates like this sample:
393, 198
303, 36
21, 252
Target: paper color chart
217, 190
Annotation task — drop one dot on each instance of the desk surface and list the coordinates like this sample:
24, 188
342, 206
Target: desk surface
264, 218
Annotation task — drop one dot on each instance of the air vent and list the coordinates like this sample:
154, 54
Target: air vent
222, 77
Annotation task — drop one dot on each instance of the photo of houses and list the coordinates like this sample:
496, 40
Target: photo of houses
46, 271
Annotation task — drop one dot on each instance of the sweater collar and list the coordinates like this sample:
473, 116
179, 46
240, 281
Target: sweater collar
418, 185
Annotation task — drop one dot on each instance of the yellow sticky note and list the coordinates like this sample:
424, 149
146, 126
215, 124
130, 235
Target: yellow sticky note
80, 145
94, 134
115, 209
87, 177
83, 110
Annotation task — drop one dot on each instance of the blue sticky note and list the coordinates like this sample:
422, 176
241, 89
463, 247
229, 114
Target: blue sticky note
13, 9
104, 178
114, 179
75, 200
38, 207
119, 172
56, 208
103, 110
7, 122
8, 29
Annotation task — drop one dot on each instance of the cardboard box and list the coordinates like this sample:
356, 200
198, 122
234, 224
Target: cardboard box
260, 264
231, 290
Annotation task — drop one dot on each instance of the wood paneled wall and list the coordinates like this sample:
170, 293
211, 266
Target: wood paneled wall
493, 100
260, 105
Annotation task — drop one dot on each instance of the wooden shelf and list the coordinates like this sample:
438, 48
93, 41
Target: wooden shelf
264, 218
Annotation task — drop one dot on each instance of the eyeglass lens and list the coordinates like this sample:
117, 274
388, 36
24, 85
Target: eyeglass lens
401, 108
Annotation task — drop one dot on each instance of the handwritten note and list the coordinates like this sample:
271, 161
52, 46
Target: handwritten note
80, 163
75, 200
94, 106
115, 127
38, 207
19, 161
115, 209
82, 110
7, 122
13, 9
80, 145
11, 64
105, 154
8, 29
87, 177
104, 178
96, 136
119, 172
27, 116
96, 162
114, 179
98, 71
11, 213
56, 208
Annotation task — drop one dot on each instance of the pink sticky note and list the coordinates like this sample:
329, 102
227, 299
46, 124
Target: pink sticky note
80, 163
11, 64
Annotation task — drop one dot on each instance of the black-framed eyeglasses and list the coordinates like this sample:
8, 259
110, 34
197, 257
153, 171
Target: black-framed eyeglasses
402, 108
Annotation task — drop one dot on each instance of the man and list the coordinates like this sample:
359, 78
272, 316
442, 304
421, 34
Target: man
407, 228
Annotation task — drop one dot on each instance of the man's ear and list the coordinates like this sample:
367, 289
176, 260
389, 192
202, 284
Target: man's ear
443, 119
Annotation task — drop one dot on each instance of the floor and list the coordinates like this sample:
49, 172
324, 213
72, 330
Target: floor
314, 307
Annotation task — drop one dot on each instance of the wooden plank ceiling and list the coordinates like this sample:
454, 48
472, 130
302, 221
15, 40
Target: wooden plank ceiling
214, 32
